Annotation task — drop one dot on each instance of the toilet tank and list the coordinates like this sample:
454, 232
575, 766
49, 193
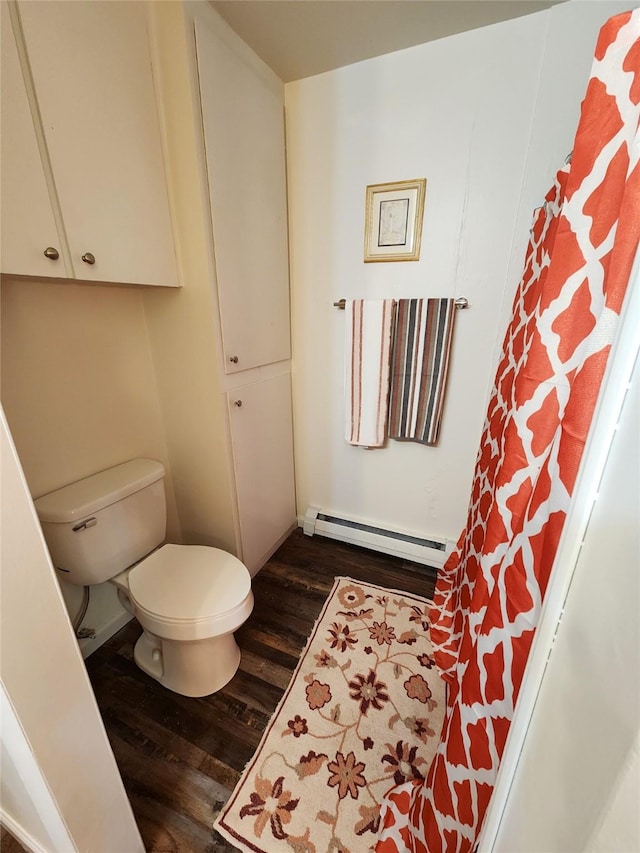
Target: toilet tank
97, 527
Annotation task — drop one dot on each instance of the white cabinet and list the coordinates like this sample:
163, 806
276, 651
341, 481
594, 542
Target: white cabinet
262, 439
243, 117
89, 65
242, 108
28, 225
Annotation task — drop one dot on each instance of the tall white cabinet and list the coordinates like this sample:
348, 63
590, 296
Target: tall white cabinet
242, 109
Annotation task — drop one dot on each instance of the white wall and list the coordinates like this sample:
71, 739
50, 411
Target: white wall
47, 685
572, 32
577, 786
79, 392
182, 330
26, 804
78, 383
487, 117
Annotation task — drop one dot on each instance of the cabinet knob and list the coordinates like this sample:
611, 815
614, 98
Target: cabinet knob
51, 253
88, 258
233, 359
238, 403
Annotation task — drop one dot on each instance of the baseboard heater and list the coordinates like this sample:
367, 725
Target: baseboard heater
429, 552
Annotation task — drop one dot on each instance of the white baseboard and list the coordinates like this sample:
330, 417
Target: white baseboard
405, 544
88, 645
20, 834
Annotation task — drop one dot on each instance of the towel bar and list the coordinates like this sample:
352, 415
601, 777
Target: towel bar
461, 302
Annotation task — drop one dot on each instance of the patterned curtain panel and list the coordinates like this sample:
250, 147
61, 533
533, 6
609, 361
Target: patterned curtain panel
489, 595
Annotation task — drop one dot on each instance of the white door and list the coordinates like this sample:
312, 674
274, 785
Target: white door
60, 782
243, 117
91, 69
262, 440
28, 226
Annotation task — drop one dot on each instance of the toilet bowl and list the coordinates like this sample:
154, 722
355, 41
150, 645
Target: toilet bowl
189, 599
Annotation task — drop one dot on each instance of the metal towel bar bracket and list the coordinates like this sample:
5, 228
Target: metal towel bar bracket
460, 302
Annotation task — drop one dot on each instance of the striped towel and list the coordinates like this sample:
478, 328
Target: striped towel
419, 368
367, 352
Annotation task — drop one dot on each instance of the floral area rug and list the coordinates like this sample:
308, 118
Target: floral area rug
362, 713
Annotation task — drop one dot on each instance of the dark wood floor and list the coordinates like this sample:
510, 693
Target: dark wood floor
180, 758
8, 844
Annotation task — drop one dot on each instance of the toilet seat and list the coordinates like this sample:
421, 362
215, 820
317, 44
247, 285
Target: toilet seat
190, 592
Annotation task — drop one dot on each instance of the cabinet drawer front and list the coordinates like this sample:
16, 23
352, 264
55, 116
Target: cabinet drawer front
91, 68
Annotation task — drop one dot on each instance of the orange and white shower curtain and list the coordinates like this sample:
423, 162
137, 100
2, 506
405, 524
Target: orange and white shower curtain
489, 595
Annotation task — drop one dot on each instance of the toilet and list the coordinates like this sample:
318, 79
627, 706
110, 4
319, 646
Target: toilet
189, 599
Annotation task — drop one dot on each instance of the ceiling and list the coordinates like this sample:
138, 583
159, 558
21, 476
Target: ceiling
299, 38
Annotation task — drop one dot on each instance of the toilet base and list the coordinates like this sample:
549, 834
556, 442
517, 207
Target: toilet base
196, 668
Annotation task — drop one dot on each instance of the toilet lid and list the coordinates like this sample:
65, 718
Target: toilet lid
190, 582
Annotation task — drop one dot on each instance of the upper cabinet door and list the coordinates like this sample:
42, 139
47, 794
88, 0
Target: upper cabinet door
91, 68
243, 118
28, 226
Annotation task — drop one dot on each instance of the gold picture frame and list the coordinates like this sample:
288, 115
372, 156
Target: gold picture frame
393, 221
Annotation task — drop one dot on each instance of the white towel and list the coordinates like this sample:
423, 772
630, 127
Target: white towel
367, 354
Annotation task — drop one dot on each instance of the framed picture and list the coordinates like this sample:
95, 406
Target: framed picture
393, 221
